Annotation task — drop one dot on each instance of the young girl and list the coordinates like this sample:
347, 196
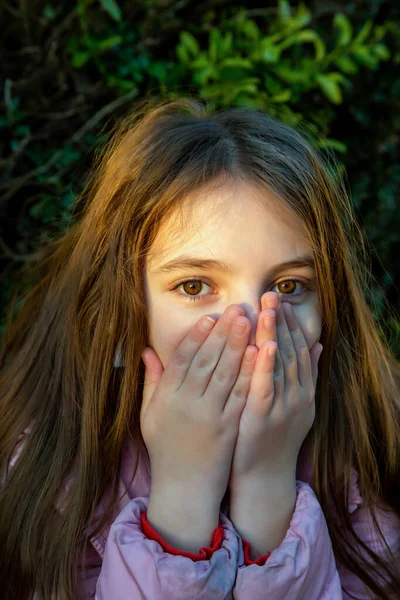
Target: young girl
210, 469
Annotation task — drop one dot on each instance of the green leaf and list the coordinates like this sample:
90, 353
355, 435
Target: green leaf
123, 84
342, 23
331, 143
346, 65
251, 30
330, 88
228, 91
201, 76
272, 84
271, 54
238, 62
283, 96
226, 44
363, 33
189, 42
302, 18
292, 76
234, 68
200, 62
112, 8
182, 54
381, 51
270, 40
109, 42
365, 57
380, 30
80, 58
307, 35
214, 44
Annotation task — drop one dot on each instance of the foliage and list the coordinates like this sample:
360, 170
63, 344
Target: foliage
329, 71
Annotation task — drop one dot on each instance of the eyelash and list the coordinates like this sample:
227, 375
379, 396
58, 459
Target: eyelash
197, 298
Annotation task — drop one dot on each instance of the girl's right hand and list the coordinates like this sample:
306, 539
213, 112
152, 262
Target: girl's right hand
191, 411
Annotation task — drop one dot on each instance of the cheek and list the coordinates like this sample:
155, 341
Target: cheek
311, 326
165, 337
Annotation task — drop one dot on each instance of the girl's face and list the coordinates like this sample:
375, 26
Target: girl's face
228, 225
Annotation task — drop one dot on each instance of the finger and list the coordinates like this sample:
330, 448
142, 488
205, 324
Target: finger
286, 348
262, 390
270, 300
240, 392
269, 323
304, 371
315, 353
202, 365
227, 370
180, 362
152, 375
264, 332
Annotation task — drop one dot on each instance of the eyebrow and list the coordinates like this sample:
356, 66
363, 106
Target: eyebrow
189, 262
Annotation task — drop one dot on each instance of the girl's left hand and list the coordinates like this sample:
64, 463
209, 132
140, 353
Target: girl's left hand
280, 407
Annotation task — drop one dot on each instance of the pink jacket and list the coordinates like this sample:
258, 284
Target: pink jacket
128, 560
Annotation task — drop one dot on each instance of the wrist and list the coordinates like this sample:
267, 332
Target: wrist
258, 493
261, 512
264, 483
184, 523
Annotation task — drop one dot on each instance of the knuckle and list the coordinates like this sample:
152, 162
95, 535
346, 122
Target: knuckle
289, 353
239, 392
222, 377
204, 361
180, 358
221, 334
267, 392
304, 352
236, 344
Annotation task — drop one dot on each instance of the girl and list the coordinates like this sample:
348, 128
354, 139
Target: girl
211, 469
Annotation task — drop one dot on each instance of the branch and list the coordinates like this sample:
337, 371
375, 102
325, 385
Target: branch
15, 184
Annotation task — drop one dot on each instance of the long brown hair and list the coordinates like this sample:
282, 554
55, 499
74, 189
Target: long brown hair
56, 362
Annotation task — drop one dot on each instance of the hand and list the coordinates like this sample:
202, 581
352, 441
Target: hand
280, 408
190, 411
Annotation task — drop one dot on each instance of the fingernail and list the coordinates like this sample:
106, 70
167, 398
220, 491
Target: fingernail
206, 324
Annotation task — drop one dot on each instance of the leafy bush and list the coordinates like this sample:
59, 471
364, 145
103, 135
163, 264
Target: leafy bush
76, 68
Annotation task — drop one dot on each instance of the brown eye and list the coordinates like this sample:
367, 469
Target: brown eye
287, 287
192, 287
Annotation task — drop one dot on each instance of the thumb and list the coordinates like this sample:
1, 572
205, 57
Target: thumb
152, 375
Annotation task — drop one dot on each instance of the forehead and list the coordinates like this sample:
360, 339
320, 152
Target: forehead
227, 222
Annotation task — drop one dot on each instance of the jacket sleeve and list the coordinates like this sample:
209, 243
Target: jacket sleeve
303, 566
138, 564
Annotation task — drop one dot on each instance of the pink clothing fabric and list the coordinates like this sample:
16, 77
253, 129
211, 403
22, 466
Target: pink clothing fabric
129, 560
